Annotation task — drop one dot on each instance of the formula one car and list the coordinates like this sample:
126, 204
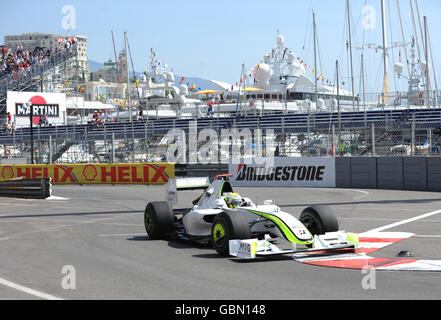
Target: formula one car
235, 226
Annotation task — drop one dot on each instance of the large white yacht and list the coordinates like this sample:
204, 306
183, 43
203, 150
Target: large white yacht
280, 84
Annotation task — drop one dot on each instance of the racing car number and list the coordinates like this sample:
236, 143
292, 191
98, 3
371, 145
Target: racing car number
247, 250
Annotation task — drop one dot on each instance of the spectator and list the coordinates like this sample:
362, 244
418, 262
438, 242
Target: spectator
95, 116
43, 121
107, 116
9, 118
140, 116
7, 152
7, 129
4, 52
97, 119
101, 116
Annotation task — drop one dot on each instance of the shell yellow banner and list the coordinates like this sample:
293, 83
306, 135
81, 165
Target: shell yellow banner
96, 173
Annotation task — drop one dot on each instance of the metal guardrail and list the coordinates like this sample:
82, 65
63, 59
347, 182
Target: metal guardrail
281, 124
26, 188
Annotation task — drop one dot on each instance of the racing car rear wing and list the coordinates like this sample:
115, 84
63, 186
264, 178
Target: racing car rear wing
182, 184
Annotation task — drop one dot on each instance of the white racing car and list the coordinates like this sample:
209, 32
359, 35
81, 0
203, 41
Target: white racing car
235, 226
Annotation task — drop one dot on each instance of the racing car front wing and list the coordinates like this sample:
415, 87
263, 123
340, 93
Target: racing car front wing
329, 242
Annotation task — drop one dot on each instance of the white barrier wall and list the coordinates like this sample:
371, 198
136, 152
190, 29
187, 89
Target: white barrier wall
52, 105
284, 172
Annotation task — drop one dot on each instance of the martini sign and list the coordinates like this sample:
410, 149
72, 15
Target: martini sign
50, 105
39, 108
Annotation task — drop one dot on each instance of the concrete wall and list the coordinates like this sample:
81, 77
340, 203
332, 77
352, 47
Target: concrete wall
396, 173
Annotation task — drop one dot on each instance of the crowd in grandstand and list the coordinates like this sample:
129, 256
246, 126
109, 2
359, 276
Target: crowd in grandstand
21, 61
18, 61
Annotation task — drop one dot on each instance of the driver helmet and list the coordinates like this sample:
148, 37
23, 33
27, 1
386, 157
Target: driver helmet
233, 200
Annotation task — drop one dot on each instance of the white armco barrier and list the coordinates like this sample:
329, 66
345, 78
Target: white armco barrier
316, 172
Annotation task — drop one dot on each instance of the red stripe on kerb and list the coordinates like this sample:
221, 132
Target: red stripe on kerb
360, 263
391, 240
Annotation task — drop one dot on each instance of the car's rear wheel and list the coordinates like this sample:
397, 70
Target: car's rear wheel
158, 220
319, 219
228, 226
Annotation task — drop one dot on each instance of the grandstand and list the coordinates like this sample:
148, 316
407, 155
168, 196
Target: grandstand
33, 77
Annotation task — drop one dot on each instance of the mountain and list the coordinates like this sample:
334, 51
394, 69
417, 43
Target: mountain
95, 66
202, 84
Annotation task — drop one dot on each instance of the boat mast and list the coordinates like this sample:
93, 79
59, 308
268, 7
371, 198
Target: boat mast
427, 62
362, 81
128, 80
350, 49
338, 105
315, 59
386, 76
415, 30
116, 57
403, 38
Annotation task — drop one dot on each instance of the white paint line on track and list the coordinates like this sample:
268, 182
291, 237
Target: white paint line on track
122, 234
399, 223
426, 236
30, 291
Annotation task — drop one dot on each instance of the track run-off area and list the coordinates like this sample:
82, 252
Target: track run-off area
89, 242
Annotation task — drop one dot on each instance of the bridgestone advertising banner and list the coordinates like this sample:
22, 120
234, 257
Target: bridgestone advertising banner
284, 172
127, 173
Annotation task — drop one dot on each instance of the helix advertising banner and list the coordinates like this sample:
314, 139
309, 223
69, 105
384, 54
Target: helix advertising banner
284, 172
124, 173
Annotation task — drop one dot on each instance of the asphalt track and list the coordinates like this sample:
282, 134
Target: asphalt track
98, 230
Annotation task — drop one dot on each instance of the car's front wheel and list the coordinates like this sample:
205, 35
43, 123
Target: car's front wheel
319, 219
158, 219
228, 226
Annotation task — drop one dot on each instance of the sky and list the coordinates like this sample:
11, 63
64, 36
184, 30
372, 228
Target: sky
212, 39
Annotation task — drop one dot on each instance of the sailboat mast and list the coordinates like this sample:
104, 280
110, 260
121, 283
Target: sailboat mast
315, 58
116, 57
427, 61
350, 50
385, 92
404, 40
383, 18
128, 80
338, 103
363, 84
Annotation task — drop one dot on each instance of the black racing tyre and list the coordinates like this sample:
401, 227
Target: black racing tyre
158, 220
319, 219
228, 226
